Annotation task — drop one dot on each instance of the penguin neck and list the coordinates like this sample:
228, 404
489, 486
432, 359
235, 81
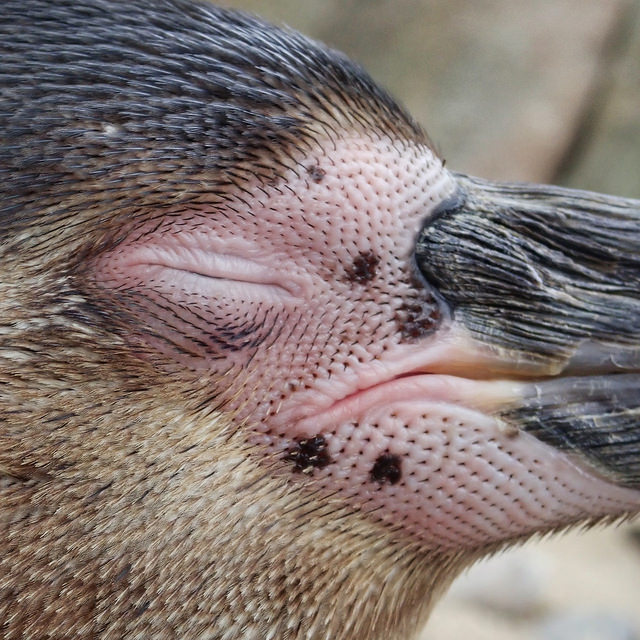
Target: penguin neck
165, 506
198, 535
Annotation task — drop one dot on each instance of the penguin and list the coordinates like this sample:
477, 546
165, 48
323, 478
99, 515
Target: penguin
268, 369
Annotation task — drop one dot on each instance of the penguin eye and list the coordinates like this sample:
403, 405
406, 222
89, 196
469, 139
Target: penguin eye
210, 297
176, 270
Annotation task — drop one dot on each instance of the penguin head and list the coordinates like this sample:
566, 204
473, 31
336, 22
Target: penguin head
247, 209
236, 224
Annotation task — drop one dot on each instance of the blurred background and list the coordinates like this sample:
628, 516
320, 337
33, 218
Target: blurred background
508, 89
545, 91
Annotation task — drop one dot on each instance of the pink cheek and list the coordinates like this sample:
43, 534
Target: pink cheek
290, 286
449, 476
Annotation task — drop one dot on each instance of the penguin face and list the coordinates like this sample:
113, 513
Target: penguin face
305, 303
244, 214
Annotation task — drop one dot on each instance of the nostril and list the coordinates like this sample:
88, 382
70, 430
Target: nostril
446, 208
451, 204
423, 314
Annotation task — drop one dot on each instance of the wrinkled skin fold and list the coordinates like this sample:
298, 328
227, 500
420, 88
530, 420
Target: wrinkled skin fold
556, 300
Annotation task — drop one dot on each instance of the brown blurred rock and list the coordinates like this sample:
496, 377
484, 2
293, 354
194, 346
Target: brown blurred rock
609, 160
594, 572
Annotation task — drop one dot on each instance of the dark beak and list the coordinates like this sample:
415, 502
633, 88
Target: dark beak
547, 283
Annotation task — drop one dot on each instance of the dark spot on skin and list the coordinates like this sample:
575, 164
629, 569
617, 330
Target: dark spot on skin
316, 173
418, 319
363, 269
387, 469
309, 454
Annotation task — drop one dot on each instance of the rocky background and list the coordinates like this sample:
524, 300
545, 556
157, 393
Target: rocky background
546, 91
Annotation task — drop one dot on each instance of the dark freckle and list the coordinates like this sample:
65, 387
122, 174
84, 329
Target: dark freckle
418, 319
387, 469
316, 173
308, 454
364, 266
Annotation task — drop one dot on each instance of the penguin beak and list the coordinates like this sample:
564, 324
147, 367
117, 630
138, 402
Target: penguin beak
545, 282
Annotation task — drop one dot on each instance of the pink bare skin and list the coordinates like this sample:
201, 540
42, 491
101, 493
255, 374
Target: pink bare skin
300, 300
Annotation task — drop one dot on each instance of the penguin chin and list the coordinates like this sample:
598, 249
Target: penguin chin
431, 456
